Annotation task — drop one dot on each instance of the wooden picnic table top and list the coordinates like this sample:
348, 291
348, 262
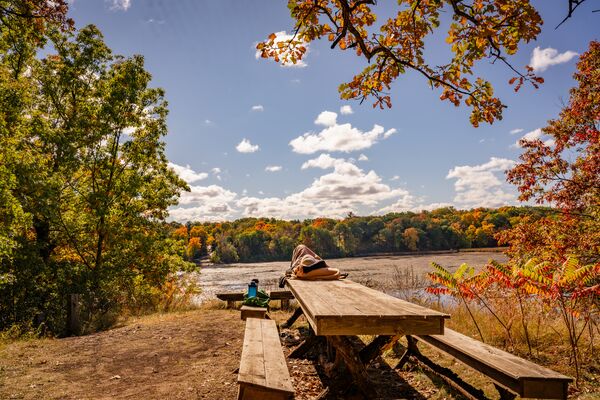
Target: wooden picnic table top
343, 307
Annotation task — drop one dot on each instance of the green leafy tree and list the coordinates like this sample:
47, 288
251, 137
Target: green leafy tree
89, 171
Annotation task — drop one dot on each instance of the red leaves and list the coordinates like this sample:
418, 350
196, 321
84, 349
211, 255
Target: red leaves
571, 181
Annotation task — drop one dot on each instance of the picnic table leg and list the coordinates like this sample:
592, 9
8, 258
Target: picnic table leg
446, 374
375, 348
297, 313
505, 394
307, 345
353, 362
411, 349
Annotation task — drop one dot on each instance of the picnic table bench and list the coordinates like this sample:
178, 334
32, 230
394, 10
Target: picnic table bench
282, 295
341, 309
338, 310
263, 373
512, 375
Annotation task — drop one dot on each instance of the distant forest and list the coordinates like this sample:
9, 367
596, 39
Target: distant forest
270, 239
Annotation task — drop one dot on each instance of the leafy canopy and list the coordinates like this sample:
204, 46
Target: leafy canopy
479, 30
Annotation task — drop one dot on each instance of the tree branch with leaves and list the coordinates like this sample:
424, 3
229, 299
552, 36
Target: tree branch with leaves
478, 30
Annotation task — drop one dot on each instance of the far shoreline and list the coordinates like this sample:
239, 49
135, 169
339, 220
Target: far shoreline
205, 264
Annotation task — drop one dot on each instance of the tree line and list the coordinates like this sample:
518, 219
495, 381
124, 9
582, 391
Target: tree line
268, 239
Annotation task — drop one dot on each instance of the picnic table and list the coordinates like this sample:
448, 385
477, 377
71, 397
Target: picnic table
341, 309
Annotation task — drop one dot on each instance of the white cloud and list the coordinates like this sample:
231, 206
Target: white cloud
204, 203
324, 161
362, 157
410, 203
326, 118
394, 178
258, 107
284, 37
208, 122
334, 194
187, 173
389, 133
122, 5
515, 131
345, 110
207, 195
217, 173
479, 186
246, 147
405, 203
273, 168
541, 59
336, 137
431, 206
343, 188
529, 136
201, 213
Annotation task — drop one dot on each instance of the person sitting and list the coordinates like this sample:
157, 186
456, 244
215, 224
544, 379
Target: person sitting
307, 265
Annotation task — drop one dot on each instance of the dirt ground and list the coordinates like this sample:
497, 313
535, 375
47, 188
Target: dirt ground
190, 355
187, 355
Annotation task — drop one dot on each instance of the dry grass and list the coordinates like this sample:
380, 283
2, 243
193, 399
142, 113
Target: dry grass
547, 334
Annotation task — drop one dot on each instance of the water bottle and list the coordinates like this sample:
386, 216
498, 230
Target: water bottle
253, 288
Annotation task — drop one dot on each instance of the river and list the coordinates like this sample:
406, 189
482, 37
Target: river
392, 274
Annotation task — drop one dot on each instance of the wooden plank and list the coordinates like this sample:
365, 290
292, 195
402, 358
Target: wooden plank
262, 364
230, 296
376, 325
371, 301
239, 296
252, 312
277, 374
252, 364
343, 307
281, 295
514, 373
310, 303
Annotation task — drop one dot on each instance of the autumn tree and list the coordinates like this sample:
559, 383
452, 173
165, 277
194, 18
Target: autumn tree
557, 258
564, 171
88, 181
477, 30
411, 238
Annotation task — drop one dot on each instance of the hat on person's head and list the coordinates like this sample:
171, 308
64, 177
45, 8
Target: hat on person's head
308, 263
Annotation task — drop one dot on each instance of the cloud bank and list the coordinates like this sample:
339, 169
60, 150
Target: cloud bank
479, 185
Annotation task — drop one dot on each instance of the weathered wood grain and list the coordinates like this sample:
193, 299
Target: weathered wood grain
263, 371
284, 296
523, 377
253, 312
343, 307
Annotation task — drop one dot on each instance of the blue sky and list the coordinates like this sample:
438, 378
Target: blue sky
254, 138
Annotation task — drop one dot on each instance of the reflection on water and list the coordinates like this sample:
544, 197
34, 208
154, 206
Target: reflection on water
389, 274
